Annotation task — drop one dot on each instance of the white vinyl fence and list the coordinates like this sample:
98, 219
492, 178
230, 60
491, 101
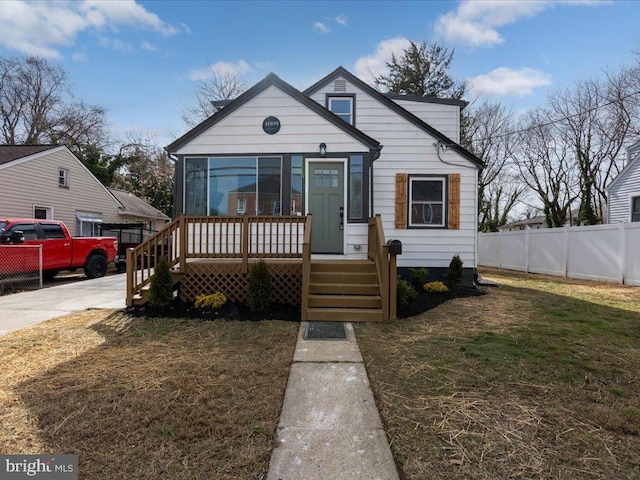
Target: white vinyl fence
608, 253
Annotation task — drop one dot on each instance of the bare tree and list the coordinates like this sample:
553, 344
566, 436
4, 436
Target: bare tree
487, 127
37, 106
216, 86
545, 163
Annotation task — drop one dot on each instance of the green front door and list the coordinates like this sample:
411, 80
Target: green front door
326, 202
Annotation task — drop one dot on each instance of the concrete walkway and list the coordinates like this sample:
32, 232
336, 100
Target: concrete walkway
330, 428
21, 310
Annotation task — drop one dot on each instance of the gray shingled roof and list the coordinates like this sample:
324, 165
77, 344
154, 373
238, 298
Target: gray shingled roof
9, 153
136, 206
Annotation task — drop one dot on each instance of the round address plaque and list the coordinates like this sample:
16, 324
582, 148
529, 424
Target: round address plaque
271, 125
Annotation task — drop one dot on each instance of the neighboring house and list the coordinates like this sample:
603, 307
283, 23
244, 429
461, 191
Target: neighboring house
343, 152
134, 209
48, 181
532, 223
623, 192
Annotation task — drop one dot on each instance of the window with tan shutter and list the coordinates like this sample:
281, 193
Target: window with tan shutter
427, 201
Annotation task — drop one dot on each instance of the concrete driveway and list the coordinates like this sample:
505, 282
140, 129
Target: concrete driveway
21, 310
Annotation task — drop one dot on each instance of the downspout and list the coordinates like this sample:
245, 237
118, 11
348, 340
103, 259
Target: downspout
374, 154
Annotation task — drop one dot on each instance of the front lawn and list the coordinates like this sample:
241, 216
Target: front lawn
140, 398
539, 378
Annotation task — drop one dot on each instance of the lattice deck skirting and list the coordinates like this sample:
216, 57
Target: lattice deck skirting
211, 276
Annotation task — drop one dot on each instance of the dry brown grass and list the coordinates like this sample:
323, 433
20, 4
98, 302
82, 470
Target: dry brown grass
146, 398
536, 379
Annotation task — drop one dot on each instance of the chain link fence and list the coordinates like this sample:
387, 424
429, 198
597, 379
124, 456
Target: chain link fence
20, 268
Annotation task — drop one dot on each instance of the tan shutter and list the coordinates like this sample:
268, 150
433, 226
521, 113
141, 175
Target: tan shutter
401, 200
454, 201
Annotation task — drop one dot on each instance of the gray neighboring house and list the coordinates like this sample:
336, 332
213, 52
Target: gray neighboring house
624, 191
50, 182
134, 209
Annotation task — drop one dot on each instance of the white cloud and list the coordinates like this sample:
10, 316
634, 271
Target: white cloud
221, 68
185, 28
371, 66
42, 28
341, 20
475, 23
505, 81
124, 12
321, 27
148, 46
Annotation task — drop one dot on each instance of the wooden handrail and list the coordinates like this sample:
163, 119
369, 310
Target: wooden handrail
306, 268
378, 252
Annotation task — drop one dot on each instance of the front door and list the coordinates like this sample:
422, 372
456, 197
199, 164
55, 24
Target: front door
326, 204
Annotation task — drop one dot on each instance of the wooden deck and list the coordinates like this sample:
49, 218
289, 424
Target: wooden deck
211, 254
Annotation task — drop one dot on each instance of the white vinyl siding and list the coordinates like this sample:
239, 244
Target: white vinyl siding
442, 117
35, 182
408, 149
621, 194
301, 131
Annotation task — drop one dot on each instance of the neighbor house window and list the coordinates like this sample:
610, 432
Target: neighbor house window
87, 224
635, 209
342, 106
43, 213
427, 201
242, 205
63, 178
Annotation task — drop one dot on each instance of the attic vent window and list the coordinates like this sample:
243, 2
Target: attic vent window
340, 85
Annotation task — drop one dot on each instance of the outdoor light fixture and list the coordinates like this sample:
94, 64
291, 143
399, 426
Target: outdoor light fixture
323, 150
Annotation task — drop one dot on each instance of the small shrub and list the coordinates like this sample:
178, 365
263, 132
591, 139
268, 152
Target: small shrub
259, 290
435, 287
161, 288
454, 274
418, 276
405, 292
212, 301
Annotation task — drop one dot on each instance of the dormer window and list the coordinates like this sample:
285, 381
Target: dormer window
342, 106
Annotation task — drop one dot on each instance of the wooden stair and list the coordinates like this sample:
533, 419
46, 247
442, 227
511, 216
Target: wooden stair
344, 291
142, 296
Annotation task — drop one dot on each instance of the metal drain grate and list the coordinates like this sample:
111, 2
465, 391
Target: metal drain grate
325, 331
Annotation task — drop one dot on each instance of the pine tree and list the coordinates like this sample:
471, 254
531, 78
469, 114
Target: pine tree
421, 71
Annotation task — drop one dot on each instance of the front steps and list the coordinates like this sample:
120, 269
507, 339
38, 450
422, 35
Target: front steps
344, 290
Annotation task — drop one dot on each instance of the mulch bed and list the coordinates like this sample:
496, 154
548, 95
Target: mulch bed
240, 311
426, 301
229, 311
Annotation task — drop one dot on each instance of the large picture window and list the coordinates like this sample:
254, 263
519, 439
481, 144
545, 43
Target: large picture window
635, 209
233, 186
427, 201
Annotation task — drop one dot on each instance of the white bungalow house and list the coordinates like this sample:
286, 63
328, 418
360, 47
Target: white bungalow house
623, 192
50, 182
361, 166
343, 152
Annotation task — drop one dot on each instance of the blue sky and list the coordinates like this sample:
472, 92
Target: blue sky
139, 59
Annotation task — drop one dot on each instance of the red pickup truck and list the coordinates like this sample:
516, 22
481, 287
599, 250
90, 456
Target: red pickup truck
59, 250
